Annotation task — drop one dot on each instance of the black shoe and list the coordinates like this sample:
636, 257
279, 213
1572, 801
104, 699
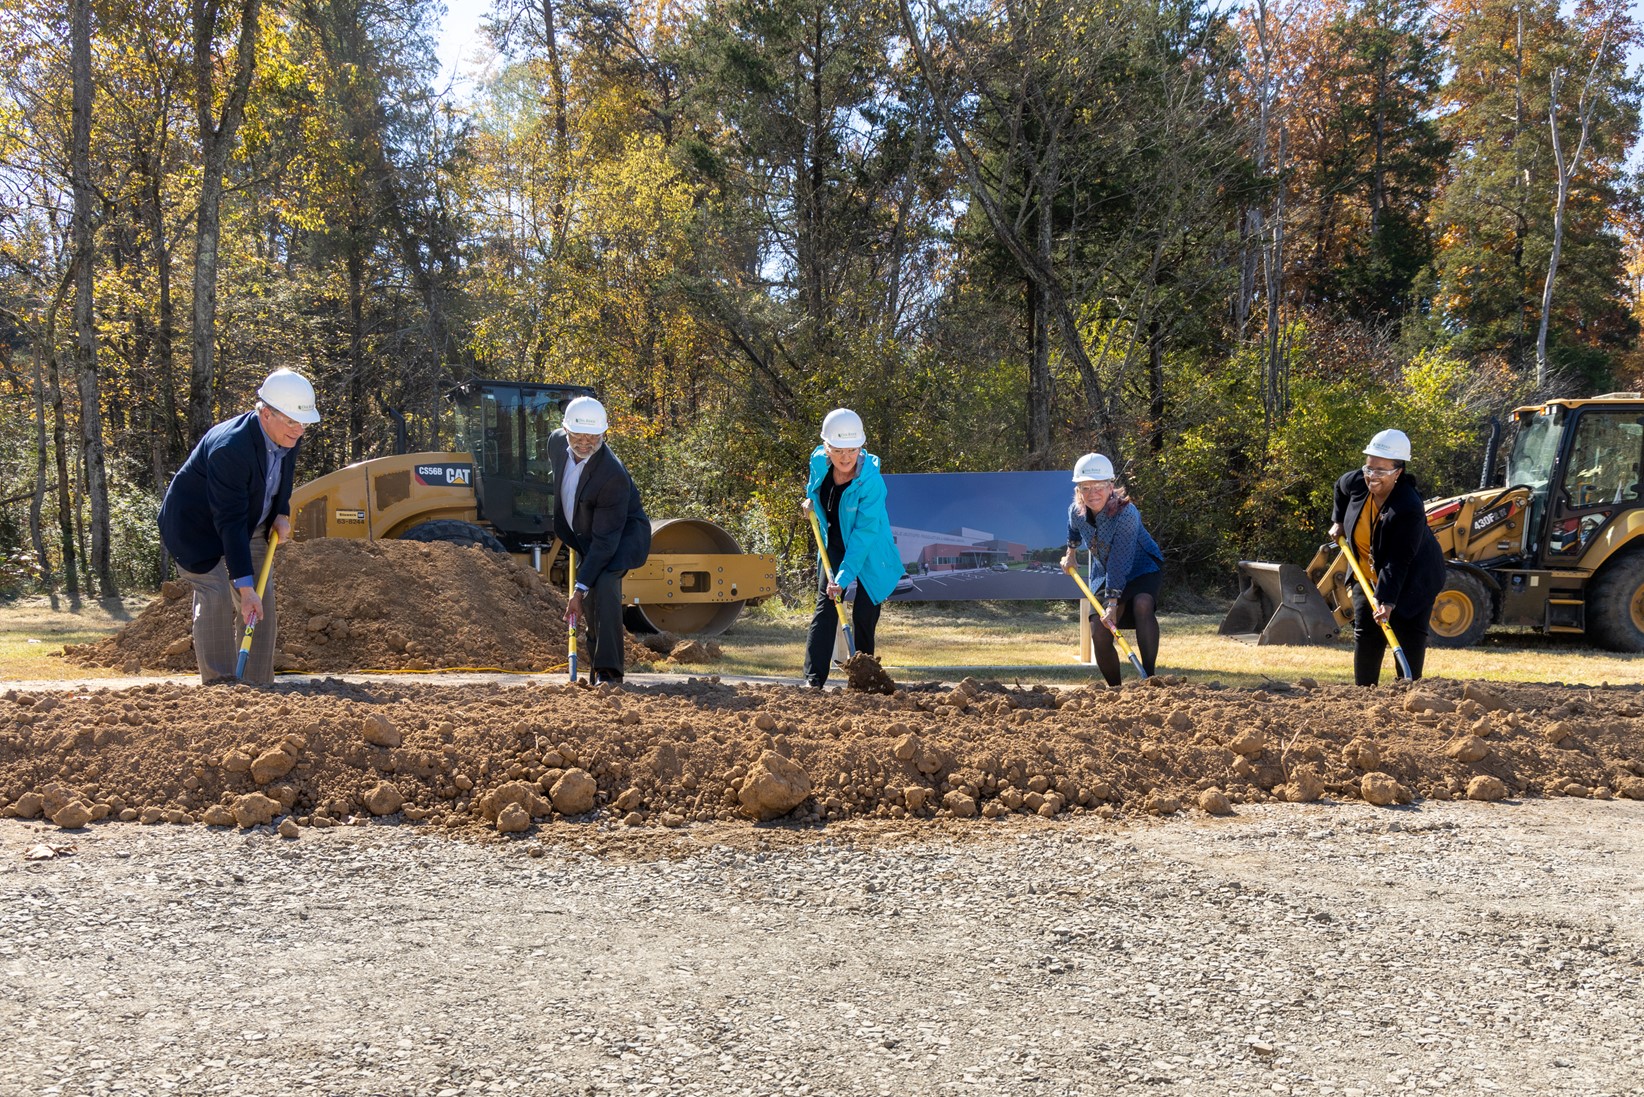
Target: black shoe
601, 677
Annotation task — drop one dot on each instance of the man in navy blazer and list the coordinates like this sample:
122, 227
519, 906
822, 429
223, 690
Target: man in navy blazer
233, 489
597, 513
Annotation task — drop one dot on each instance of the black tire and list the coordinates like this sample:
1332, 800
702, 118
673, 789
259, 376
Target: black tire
454, 531
1462, 611
1615, 604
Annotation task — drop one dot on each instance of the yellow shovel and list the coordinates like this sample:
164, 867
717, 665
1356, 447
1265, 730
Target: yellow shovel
1118, 637
827, 573
251, 626
1370, 596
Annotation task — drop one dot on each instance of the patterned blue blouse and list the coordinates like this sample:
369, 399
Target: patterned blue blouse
1120, 546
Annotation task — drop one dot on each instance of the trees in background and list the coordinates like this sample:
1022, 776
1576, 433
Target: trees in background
1006, 231
1495, 215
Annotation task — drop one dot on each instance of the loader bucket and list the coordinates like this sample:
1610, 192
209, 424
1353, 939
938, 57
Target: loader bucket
1278, 604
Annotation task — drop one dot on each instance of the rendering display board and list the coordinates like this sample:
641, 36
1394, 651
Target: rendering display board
981, 535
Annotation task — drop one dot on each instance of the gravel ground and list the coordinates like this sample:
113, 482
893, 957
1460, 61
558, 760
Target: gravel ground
1293, 949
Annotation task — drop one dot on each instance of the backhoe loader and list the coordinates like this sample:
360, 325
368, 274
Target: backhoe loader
1557, 547
495, 489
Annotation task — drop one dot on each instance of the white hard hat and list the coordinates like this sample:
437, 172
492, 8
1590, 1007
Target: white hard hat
1391, 444
289, 393
1092, 466
842, 429
585, 415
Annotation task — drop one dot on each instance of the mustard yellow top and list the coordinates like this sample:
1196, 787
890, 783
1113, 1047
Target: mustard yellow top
1361, 533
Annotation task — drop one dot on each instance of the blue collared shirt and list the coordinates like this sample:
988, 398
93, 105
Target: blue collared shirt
271, 485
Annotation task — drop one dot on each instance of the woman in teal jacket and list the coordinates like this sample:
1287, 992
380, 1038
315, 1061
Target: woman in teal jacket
847, 493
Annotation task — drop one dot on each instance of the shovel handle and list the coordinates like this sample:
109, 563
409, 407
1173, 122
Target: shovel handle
251, 626
827, 573
1370, 596
571, 621
1118, 637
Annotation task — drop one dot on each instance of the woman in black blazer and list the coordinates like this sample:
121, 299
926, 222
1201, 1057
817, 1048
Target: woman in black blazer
1380, 509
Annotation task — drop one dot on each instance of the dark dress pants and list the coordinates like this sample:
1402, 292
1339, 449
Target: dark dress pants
824, 626
1370, 643
603, 607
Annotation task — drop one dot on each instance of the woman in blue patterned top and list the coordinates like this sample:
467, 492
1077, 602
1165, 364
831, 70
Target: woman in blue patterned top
1126, 565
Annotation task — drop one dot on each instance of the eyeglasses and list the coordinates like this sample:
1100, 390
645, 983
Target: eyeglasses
283, 419
1376, 474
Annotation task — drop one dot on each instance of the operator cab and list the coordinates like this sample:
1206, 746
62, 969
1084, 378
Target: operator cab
505, 425
1581, 461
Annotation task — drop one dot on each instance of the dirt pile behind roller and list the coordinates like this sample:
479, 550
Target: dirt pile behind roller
382, 605
523, 757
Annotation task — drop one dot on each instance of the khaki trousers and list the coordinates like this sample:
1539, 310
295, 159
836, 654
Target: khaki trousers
218, 628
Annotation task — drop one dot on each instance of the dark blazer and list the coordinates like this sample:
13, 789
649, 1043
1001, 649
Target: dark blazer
609, 529
1409, 563
212, 506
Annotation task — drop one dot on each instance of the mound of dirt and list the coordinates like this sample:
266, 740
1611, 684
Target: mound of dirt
512, 758
375, 605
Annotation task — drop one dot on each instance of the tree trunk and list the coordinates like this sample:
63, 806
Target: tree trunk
1274, 389
1027, 258
1251, 223
217, 135
65, 485
562, 128
357, 388
85, 332
1038, 396
169, 435
1566, 171
1156, 383
37, 501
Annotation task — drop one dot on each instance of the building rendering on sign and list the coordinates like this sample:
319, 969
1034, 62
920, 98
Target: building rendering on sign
926, 552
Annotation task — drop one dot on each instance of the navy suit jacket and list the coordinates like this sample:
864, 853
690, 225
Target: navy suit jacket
609, 529
212, 506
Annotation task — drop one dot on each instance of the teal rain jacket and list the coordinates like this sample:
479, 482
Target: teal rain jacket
870, 549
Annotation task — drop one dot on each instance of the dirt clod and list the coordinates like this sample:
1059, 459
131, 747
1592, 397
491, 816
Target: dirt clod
694, 651
1469, 748
773, 787
1213, 801
385, 799
574, 793
251, 810
271, 765
1380, 789
513, 794
513, 819
379, 731
865, 675
1305, 785
72, 815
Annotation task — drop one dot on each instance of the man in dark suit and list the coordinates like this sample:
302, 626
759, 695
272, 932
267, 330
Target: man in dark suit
597, 512
233, 489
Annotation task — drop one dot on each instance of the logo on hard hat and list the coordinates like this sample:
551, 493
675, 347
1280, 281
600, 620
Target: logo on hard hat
585, 415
